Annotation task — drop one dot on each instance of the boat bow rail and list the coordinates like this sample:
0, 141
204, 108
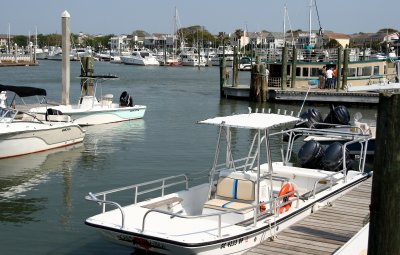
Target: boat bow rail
164, 184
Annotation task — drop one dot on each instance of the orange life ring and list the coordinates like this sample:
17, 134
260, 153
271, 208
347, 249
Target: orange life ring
287, 188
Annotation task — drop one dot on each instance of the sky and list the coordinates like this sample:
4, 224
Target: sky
157, 16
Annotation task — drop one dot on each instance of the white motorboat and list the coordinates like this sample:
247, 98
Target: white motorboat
191, 57
224, 51
24, 133
140, 57
242, 202
91, 111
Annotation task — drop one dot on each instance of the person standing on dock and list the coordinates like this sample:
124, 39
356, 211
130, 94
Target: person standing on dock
227, 74
334, 77
329, 75
308, 51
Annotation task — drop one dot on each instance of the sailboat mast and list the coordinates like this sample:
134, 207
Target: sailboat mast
284, 23
310, 10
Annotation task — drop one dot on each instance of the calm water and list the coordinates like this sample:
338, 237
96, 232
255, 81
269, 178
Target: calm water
42, 206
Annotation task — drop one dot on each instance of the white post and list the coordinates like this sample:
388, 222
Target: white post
66, 46
16, 53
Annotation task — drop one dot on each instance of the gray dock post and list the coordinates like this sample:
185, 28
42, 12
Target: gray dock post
87, 69
384, 231
294, 62
284, 68
345, 66
66, 45
222, 76
339, 69
235, 67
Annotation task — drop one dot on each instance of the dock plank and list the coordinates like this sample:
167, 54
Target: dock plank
323, 232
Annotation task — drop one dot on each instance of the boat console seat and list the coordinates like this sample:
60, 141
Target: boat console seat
107, 100
233, 194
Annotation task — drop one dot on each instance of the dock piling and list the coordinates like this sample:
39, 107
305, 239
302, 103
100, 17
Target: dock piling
384, 232
284, 68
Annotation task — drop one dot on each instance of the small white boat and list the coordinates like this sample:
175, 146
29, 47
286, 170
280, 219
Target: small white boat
243, 201
190, 57
224, 51
141, 57
24, 133
92, 111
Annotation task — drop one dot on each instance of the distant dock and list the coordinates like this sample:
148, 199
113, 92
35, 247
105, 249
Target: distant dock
11, 64
314, 95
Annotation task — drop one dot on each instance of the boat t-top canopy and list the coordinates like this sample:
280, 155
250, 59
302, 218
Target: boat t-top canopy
251, 120
23, 91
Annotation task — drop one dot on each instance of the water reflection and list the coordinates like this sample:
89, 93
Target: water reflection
101, 139
21, 175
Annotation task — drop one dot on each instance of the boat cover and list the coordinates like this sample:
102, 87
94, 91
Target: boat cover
251, 120
22, 91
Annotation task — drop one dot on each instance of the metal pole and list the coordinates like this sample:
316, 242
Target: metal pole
66, 45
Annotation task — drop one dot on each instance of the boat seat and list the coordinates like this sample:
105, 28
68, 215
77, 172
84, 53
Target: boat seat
107, 100
233, 194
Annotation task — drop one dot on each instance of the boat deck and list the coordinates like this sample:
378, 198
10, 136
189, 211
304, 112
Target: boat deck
326, 230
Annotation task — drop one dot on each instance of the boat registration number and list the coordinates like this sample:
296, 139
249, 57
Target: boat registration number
232, 243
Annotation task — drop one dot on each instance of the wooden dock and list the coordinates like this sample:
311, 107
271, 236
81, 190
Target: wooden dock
326, 230
315, 95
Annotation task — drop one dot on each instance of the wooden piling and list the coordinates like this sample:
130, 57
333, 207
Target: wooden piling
294, 62
258, 88
339, 69
345, 66
235, 67
87, 69
222, 76
384, 231
263, 83
284, 68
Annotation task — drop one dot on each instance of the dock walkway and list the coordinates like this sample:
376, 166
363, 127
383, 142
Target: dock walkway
298, 94
326, 230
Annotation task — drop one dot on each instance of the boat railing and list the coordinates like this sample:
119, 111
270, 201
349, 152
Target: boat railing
164, 183
241, 164
348, 135
273, 209
334, 177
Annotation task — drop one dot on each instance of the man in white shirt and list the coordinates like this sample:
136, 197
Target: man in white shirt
329, 75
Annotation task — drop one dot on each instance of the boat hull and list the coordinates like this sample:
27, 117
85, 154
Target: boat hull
233, 244
98, 115
108, 116
31, 140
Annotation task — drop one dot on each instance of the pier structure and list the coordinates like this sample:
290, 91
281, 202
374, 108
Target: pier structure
326, 230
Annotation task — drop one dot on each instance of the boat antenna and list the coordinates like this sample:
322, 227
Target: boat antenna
305, 98
319, 21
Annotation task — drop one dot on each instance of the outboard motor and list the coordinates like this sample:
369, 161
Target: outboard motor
333, 158
51, 111
311, 154
124, 99
338, 115
311, 118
